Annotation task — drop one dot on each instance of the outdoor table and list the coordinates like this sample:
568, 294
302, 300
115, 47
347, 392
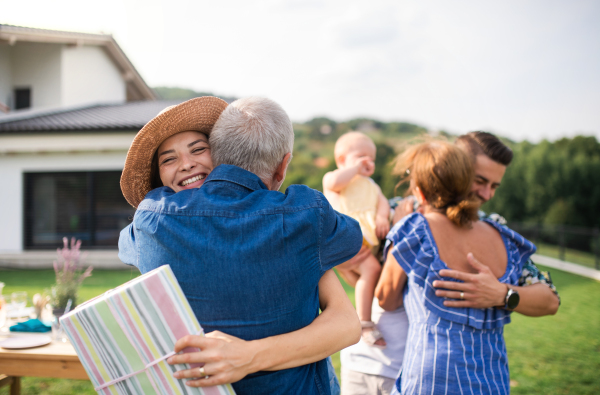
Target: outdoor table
57, 360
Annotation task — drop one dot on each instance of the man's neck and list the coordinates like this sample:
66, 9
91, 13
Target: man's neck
272, 185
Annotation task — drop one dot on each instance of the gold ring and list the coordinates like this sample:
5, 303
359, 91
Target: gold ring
462, 295
202, 374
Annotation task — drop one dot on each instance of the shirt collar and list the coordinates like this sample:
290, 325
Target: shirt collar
236, 175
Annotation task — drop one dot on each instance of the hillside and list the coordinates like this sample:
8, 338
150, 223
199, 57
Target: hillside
552, 183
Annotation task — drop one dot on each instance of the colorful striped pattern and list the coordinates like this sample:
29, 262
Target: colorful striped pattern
131, 326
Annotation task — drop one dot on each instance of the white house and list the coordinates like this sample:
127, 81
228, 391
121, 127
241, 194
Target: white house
46, 68
72, 103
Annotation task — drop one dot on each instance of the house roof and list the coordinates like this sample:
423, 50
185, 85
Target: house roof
98, 117
137, 89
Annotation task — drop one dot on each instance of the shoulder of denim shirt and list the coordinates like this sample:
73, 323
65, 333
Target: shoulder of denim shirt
301, 197
156, 199
202, 200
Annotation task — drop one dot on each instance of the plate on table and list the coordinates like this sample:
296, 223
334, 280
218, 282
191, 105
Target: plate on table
21, 342
21, 313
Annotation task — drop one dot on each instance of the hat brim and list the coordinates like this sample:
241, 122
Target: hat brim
198, 114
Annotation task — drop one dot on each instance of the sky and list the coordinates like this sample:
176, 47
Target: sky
523, 69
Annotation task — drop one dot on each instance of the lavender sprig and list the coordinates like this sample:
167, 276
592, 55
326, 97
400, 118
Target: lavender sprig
68, 272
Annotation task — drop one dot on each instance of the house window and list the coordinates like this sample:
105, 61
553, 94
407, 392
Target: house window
22, 98
85, 205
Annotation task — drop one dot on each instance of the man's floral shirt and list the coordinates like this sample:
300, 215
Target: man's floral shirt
531, 274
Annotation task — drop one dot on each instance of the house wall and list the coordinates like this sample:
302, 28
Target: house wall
59, 75
79, 155
38, 66
5, 75
90, 76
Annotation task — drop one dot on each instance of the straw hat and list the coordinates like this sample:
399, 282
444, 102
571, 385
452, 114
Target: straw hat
198, 114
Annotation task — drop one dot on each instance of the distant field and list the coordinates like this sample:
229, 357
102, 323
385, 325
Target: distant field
571, 255
549, 355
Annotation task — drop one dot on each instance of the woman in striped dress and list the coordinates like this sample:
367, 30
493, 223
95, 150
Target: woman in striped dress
449, 350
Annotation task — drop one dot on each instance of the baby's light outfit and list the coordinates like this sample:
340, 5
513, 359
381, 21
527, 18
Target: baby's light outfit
359, 201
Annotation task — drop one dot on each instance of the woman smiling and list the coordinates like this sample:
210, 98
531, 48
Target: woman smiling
183, 161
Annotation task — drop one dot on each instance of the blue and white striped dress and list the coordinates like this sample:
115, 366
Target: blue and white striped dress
450, 350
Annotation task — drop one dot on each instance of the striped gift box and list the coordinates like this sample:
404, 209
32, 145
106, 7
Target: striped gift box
124, 336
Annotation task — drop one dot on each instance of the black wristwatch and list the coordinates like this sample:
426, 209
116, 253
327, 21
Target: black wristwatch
511, 301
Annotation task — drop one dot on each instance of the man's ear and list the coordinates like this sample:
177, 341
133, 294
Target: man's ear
279, 174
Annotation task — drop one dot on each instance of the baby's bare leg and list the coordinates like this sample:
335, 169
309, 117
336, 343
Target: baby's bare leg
369, 270
348, 270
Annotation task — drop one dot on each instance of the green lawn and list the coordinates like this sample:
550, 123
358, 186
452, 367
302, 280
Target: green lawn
559, 354
549, 355
35, 281
571, 255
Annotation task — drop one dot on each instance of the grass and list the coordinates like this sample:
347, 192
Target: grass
36, 281
571, 255
558, 354
549, 355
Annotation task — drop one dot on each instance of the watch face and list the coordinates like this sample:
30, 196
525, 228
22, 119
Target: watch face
512, 300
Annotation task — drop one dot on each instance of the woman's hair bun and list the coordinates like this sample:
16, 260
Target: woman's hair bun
464, 212
444, 174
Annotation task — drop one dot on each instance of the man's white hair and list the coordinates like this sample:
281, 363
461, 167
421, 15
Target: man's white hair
253, 133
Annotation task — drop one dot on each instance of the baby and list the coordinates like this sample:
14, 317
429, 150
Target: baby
350, 191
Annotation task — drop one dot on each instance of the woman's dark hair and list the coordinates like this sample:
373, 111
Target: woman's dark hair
155, 180
444, 173
477, 143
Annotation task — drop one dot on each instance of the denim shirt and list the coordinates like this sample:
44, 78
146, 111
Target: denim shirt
248, 260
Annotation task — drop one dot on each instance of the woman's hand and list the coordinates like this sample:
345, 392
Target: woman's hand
226, 359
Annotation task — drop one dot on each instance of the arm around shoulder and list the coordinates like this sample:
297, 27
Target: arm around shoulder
536, 300
538, 294
336, 328
228, 359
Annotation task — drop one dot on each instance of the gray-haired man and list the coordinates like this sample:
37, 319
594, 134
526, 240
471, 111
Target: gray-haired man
254, 263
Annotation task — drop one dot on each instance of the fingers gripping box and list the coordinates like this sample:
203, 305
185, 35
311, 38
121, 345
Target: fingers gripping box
124, 337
